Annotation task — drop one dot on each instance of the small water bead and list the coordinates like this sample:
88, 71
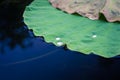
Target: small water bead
58, 38
94, 36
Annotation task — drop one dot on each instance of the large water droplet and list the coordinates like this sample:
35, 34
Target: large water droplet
59, 43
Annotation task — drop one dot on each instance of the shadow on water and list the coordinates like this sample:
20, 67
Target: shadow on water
13, 30
13, 35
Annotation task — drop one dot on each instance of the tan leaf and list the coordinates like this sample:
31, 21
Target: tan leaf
90, 8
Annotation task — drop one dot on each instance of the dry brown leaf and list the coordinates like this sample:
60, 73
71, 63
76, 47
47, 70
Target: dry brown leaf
90, 8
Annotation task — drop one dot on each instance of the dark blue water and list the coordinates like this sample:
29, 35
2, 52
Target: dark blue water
24, 56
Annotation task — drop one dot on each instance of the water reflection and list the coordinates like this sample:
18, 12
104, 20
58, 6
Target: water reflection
106, 62
13, 30
13, 35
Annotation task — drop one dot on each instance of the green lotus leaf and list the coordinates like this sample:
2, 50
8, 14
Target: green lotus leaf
79, 33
